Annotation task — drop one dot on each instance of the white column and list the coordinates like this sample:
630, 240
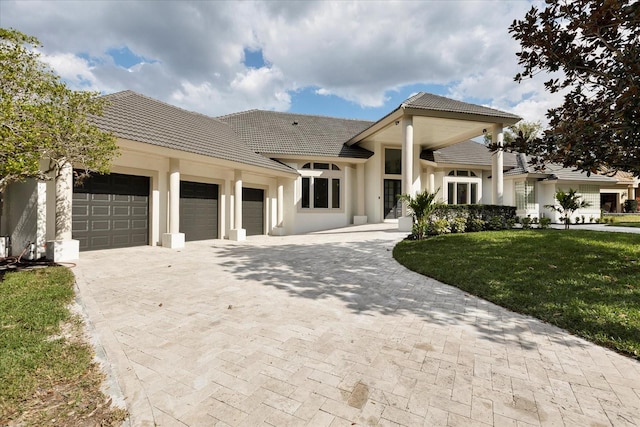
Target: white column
278, 230
237, 233
64, 195
432, 181
406, 223
174, 239
63, 248
174, 197
360, 218
497, 166
280, 202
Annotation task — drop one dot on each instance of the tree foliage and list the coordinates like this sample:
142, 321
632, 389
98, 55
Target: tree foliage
568, 202
523, 129
595, 46
44, 124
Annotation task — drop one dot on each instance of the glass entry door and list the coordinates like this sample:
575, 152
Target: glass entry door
392, 207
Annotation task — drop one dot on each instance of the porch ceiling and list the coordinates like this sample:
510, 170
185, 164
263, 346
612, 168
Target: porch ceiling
437, 122
432, 132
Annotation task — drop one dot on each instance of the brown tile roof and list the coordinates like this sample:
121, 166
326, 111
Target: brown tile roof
467, 153
428, 101
133, 116
279, 133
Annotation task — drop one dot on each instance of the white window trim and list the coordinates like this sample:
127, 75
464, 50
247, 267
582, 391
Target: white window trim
462, 180
322, 173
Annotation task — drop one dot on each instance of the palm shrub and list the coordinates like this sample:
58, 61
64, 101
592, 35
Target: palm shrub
421, 206
567, 203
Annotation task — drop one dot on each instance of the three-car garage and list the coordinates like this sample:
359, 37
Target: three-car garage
112, 211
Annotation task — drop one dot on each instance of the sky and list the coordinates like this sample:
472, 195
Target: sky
352, 59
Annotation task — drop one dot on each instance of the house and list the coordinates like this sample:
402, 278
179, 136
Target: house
184, 176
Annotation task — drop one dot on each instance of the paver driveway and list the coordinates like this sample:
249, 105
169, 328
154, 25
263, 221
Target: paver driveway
327, 329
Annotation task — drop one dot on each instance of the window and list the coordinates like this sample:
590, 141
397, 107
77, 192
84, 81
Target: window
392, 161
462, 173
321, 188
525, 195
463, 187
306, 191
462, 193
590, 194
335, 193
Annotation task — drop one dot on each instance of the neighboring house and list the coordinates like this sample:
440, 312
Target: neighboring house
613, 197
185, 176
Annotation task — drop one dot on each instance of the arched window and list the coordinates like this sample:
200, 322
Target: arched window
463, 187
321, 190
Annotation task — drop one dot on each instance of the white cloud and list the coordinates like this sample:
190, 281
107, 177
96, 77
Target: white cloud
73, 69
359, 51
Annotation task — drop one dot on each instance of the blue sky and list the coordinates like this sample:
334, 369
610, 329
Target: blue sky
355, 59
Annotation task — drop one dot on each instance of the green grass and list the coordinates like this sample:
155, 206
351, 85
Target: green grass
626, 224
47, 372
624, 218
584, 281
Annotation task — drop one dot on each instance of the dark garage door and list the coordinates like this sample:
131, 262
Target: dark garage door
111, 211
253, 211
198, 210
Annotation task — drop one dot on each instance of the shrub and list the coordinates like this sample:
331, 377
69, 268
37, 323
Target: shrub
475, 224
631, 205
544, 222
439, 226
458, 224
526, 222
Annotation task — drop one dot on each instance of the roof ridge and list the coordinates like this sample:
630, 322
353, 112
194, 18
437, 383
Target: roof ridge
410, 99
256, 110
128, 93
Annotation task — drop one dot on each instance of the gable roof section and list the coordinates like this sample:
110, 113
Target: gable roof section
467, 153
431, 102
427, 106
276, 133
133, 116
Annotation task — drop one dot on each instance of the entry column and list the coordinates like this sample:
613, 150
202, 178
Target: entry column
405, 223
497, 166
237, 233
174, 239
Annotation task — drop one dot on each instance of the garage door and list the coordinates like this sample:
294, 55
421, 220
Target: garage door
198, 210
111, 211
253, 211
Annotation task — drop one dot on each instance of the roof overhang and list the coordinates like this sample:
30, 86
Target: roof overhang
432, 129
314, 158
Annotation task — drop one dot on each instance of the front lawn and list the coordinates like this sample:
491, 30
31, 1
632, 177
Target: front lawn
47, 373
587, 282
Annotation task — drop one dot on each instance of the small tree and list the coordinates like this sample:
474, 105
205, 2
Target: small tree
45, 127
422, 206
568, 203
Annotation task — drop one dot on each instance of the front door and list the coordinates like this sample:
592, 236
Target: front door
392, 207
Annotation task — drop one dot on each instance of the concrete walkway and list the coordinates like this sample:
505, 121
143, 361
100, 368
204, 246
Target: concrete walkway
326, 329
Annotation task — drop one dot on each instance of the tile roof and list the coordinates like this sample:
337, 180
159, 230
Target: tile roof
467, 153
279, 133
133, 116
428, 101
555, 171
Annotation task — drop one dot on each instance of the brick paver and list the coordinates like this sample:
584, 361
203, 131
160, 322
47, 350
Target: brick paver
326, 329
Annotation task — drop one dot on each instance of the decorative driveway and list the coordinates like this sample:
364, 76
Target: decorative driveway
326, 329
